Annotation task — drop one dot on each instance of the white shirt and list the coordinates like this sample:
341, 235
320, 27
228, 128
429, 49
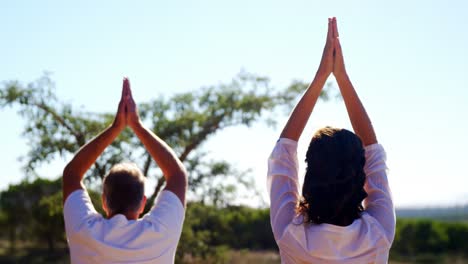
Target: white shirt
366, 240
150, 239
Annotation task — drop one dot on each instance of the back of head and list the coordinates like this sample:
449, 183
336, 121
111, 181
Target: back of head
333, 188
123, 189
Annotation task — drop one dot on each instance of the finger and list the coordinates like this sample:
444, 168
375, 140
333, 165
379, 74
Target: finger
123, 88
121, 108
338, 46
335, 28
329, 44
129, 90
126, 86
130, 105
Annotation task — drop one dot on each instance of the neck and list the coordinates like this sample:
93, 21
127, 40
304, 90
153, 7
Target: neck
344, 220
129, 216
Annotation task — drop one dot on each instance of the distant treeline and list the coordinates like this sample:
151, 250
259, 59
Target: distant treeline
417, 236
32, 212
240, 227
452, 213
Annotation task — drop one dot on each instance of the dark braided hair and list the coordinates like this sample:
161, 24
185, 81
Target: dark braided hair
333, 188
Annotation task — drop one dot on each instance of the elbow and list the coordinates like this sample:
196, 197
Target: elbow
178, 180
66, 171
70, 172
184, 178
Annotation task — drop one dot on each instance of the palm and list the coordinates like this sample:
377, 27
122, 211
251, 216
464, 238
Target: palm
338, 60
131, 112
326, 64
120, 119
327, 60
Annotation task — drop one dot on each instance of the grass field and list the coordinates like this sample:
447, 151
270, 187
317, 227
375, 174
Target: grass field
34, 255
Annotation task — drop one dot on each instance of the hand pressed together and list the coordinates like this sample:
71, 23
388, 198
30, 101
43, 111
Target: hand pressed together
332, 57
127, 112
338, 60
326, 64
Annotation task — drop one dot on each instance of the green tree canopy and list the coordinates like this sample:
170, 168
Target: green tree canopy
184, 120
28, 213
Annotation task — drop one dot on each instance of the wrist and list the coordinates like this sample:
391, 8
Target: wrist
341, 77
136, 124
321, 75
117, 126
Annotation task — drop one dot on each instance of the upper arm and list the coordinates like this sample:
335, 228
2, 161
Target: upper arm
177, 184
379, 202
70, 183
283, 185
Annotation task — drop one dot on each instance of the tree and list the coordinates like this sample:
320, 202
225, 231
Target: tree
28, 214
209, 232
33, 211
185, 121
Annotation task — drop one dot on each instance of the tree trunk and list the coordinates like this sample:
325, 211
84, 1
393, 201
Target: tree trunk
50, 243
150, 201
12, 238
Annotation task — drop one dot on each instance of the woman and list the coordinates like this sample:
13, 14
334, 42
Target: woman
345, 213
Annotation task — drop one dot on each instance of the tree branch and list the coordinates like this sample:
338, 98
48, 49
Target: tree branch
78, 136
147, 164
208, 128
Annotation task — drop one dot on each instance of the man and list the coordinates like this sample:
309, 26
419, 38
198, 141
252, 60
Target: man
122, 237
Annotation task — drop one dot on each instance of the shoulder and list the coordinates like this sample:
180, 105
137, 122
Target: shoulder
77, 208
78, 199
374, 228
167, 210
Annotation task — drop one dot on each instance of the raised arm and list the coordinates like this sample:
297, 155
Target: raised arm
172, 168
87, 154
301, 113
360, 121
378, 202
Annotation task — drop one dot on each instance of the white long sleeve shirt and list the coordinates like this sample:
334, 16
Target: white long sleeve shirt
367, 240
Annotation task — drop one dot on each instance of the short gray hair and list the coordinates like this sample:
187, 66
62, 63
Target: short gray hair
124, 188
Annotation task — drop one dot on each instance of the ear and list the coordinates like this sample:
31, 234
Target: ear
142, 205
104, 204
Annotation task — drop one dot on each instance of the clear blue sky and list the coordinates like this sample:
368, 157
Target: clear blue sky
407, 59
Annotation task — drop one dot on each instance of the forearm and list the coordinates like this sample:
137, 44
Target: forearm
84, 159
301, 113
172, 168
360, 121
88, 154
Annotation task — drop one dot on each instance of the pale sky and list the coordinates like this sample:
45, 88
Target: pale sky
407, 59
